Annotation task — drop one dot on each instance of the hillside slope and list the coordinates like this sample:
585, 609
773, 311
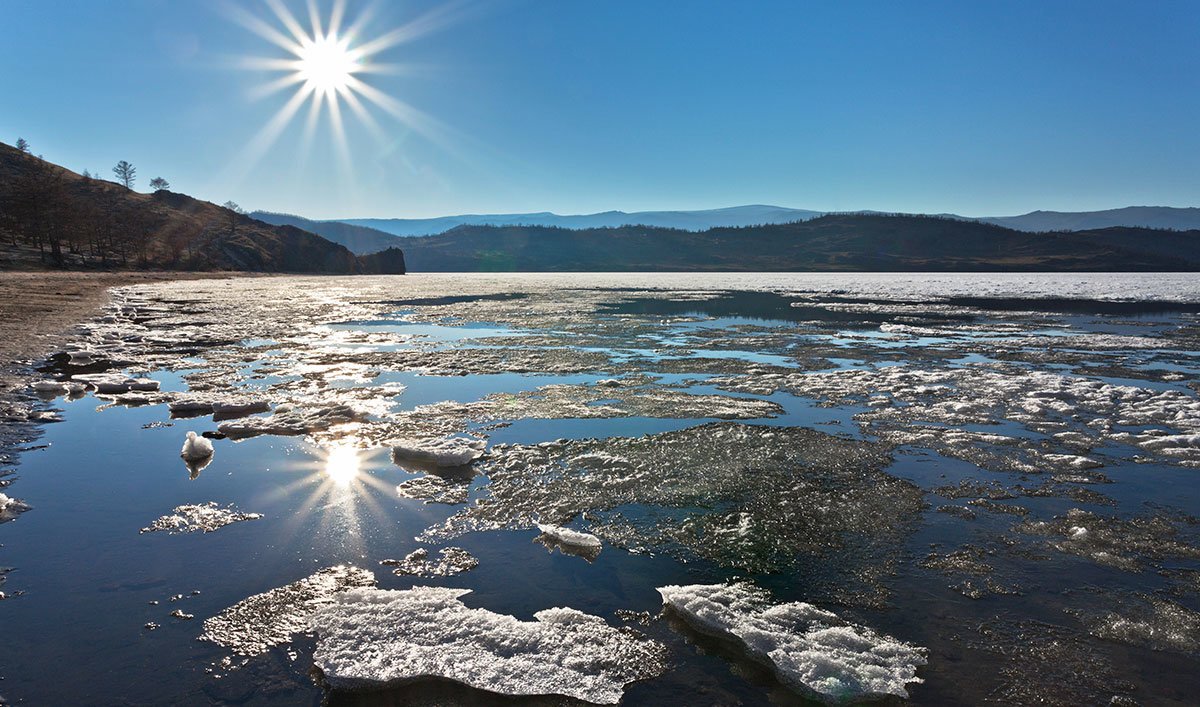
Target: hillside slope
79, 221
359, 239
837, 242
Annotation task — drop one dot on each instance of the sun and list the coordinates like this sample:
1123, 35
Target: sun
342, 465
327, 64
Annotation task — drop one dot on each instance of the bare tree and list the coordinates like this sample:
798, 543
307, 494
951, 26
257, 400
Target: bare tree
126, 173
87, 174
233, 214
22, 145
159, 184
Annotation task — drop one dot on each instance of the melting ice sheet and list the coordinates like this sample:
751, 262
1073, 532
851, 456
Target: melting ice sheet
811, 650
375, 637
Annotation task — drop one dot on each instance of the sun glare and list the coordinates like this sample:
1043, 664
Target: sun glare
342, 465
327, 63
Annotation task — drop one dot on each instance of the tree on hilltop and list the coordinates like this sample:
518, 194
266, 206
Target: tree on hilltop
126, 173
233, 214
22, 145
159, 184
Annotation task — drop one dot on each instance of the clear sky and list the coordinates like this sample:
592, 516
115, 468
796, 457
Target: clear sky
972, 107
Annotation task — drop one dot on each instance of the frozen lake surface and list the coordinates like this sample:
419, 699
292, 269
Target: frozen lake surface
659, 489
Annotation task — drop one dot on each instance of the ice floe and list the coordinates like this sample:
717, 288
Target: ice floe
445, 452
288, 420
10, 507
810, 650
744, 496
1127, 544
196, 448
369, 638
570, 542
437, 488
203, 517
451, 561
275, 617
1154, 622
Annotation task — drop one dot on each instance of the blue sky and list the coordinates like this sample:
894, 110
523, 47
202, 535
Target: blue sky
977, 108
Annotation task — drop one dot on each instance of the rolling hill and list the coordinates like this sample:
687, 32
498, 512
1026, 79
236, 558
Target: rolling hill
1180, 219
77, 221
361, 240
687, 220
845, 242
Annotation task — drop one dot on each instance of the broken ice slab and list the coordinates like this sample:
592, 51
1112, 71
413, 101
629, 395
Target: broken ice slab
204, 517
451, 561
275, 617
445, 452
370, 638
569, 542
810, 650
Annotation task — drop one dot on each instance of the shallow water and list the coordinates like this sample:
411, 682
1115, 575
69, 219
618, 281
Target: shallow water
939, 439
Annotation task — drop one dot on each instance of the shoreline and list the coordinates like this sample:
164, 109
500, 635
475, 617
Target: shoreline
39, 309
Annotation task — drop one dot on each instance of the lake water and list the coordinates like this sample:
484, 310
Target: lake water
993, 476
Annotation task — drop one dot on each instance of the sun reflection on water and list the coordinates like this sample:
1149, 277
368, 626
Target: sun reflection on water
342, 465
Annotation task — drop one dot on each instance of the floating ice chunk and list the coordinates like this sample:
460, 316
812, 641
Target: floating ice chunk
433, 488
288, 421
1078, 532
232, 408
373, 637
190, 406
445, 452
196, 447
454, 560
811, 650
1073, 461
82, 357
1154, 622
572, 542
255, 624
205, 517
10, 507
50, 387
112, 384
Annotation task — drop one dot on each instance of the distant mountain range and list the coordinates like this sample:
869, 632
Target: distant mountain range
835, 242
1177, 219
687, 220
366, 234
